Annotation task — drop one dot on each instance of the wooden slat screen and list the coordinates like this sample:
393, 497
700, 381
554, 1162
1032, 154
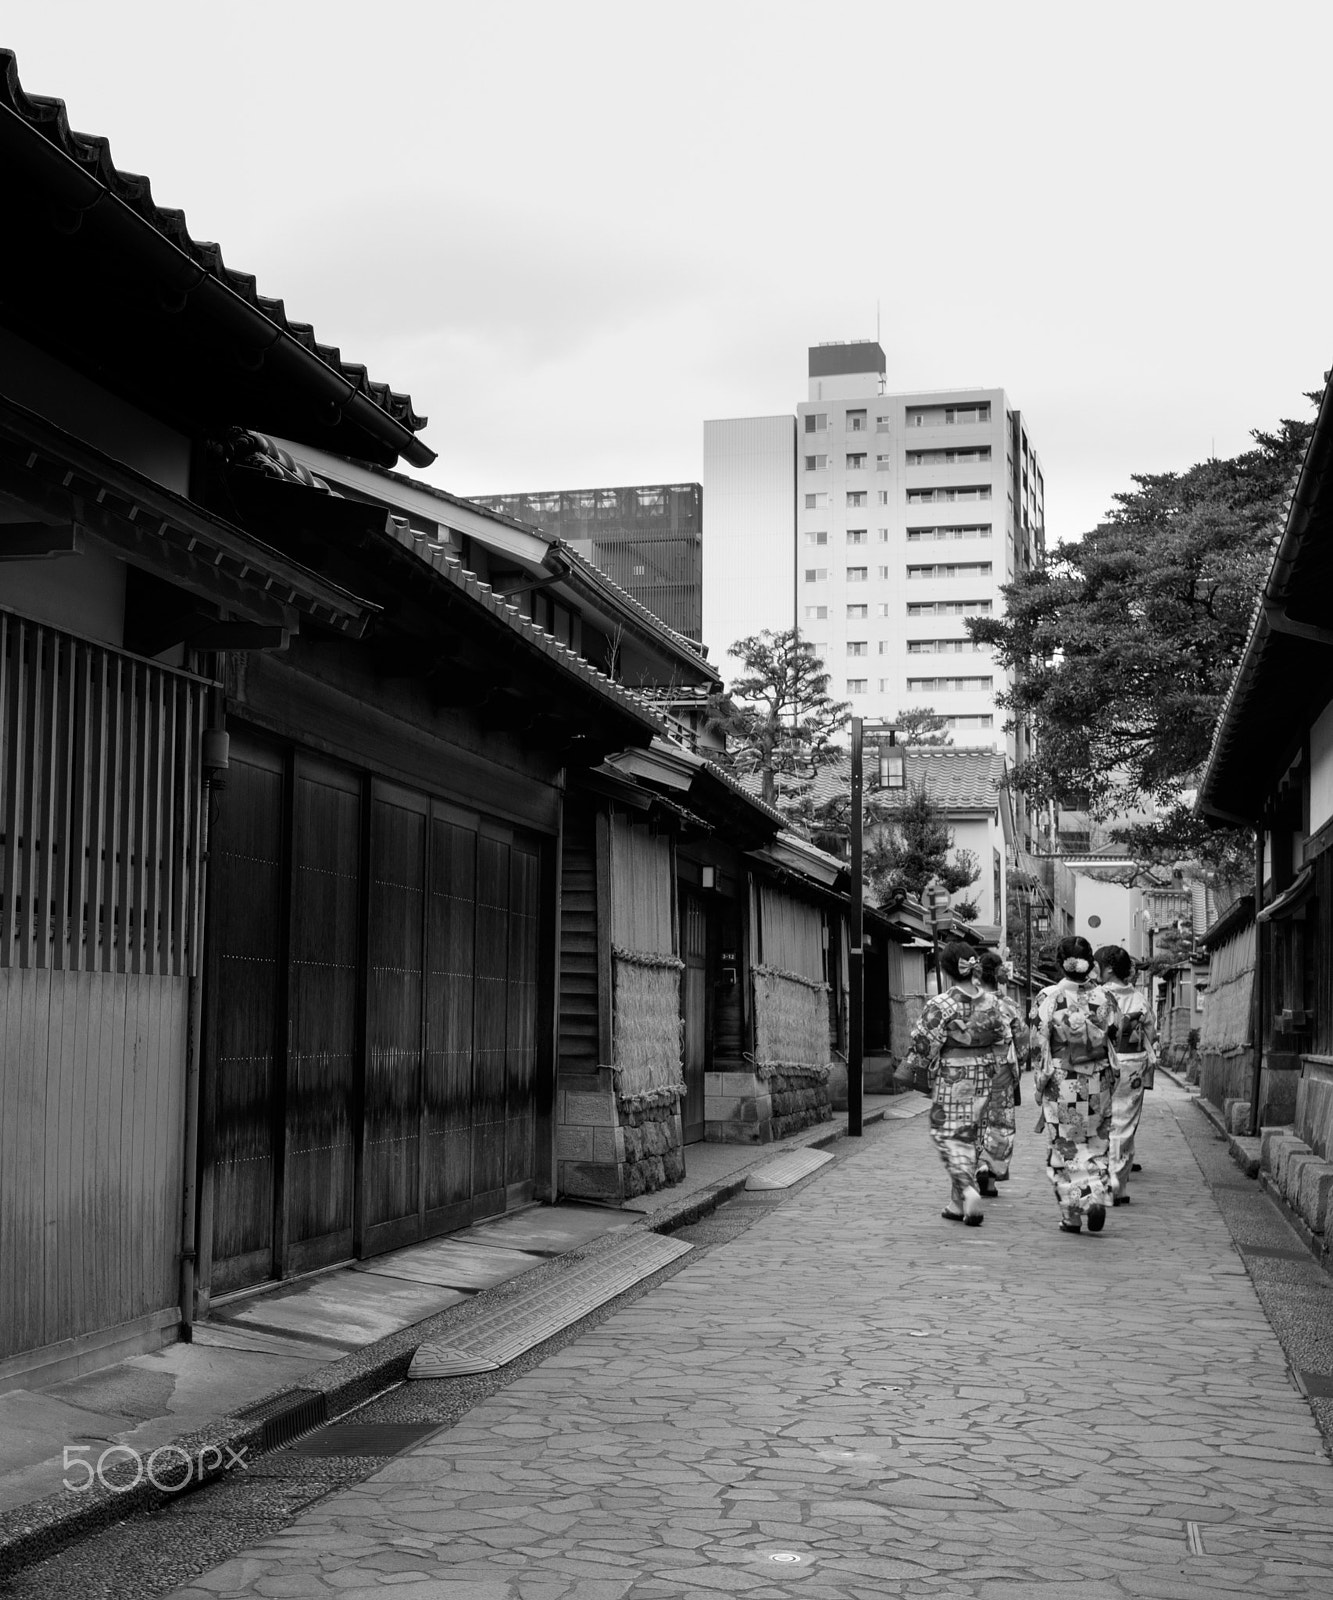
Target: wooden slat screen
791, 933
99, 800
641, 886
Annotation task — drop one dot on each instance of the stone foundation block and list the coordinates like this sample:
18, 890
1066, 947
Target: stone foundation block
1237, 1113
587, 1180
1285, 1151
1314, 1192
1268, 1138
587, 1108
1291, 1175
573, 1144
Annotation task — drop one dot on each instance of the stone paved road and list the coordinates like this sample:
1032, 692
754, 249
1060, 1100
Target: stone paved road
855, 1398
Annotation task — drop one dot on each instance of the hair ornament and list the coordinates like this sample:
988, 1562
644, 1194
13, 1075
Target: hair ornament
1076, 966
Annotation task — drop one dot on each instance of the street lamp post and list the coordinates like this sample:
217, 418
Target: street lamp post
856, 954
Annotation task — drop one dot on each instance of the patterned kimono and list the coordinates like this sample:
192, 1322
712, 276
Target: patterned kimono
961, 1039
997, 1131
1134, 1053
1075, 1084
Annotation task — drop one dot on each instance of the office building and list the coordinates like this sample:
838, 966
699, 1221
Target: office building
909, 514
647, 538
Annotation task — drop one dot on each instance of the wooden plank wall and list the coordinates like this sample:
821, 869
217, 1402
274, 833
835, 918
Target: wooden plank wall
99, 807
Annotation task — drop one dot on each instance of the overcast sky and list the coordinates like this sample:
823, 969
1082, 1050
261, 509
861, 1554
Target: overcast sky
574, 230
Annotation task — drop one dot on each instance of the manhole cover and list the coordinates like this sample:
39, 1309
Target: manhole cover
364, 1438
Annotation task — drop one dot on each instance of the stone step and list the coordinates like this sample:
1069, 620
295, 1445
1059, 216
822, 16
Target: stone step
525, 1319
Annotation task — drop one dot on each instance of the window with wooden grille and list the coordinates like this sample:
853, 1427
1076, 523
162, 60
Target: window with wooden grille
99, 805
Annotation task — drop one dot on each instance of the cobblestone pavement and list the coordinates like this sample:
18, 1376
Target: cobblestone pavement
855, 1398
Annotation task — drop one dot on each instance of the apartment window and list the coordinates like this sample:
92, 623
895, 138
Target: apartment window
856, 497
816, 613
954, 414
883, 463
816, 574
858, 647
883, 497
969, 530
885, 648
856, 422
856, 613
856, 574
816, 502
881, 572
856, 461
816, 421
951, 569
943, 647
882, 534
856, 536
882, 610
881, 424
949, 685
947, 608
856, 685
816, 463
969, 491
963, 724
816, 538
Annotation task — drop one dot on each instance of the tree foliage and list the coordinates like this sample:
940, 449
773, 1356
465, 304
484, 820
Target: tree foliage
920, 725
1126, 641
778, 715
911, 851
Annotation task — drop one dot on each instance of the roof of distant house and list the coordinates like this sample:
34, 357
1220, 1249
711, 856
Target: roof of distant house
956, 777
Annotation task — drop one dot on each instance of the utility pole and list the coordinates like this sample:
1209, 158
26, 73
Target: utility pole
856, 956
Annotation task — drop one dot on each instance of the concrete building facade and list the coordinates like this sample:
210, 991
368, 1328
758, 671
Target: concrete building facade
911, 511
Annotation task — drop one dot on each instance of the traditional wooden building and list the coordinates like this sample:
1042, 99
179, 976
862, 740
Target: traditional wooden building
1271, 768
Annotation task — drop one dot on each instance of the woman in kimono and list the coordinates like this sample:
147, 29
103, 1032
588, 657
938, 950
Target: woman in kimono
1134, 1051
960, 1038
997, 1131
1075, 1083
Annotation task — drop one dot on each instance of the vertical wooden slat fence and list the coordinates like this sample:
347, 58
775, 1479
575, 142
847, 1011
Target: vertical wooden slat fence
99, 818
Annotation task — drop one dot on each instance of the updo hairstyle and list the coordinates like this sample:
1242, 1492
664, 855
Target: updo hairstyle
1073, 955
953, 955
992, 965
1115, 959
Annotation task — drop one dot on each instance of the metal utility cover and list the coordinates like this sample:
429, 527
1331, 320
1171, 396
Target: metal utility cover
788, 1169
364, 1438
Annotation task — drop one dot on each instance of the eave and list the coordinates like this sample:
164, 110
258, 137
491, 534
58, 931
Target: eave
115, 284
69, 483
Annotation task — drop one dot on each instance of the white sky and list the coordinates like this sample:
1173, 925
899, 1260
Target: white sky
574, 230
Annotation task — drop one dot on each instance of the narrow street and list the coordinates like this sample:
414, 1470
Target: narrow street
838, 1394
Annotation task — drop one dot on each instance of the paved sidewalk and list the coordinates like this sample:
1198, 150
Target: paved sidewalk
855, 1398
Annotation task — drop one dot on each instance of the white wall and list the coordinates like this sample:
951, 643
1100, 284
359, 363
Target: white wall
748, 531
1321, 769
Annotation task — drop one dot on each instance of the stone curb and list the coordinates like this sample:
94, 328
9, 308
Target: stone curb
43, 1527
1314, 1242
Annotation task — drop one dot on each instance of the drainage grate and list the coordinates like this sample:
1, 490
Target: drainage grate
531, 1316
788, 1169
1194, 1539
287, 1416
364, 1439
1316, 1385
1280, 1252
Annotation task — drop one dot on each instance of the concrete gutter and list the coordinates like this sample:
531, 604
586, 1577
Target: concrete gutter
32, 1532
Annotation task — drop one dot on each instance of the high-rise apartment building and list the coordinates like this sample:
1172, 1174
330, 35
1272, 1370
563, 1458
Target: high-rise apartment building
647, 537
910, 512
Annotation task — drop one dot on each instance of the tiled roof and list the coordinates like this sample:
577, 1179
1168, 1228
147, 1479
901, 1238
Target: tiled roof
92, 155
956, 777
